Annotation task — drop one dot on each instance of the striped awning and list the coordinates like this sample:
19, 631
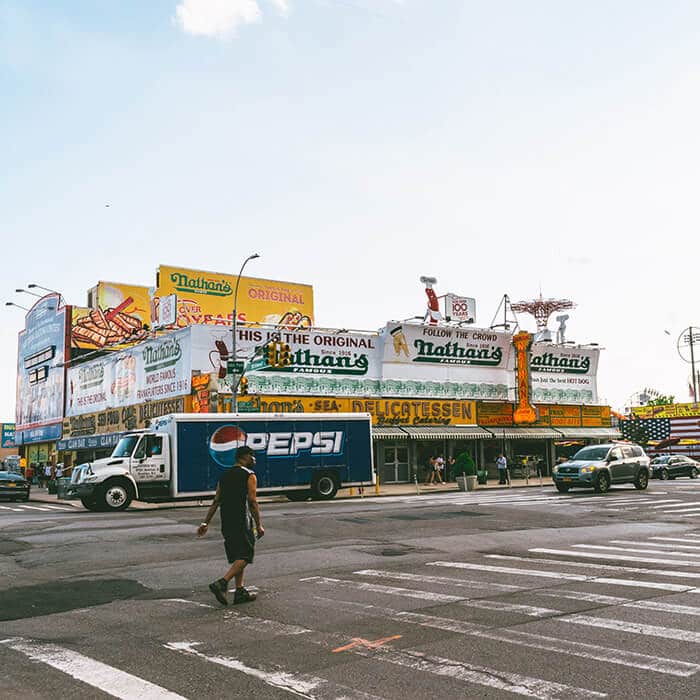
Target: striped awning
604, 433
525, 433
390, 432
440, 432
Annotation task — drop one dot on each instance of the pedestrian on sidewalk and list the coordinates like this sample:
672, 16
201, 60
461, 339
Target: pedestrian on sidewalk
502, 465
241, 524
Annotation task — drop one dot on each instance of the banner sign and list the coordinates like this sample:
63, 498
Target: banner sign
120, 314
494, 414
562, 416
40, 372
118, 420
383, 411
157, 369
674, 410
8, 435
208, 298
165, 311
460, 308
564, 375
447, 361
595, 416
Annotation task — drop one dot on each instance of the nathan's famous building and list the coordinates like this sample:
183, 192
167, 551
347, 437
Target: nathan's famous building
430, 389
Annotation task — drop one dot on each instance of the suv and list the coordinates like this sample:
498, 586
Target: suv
599, 466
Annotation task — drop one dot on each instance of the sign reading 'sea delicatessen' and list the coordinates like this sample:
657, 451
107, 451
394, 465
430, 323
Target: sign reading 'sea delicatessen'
208, 298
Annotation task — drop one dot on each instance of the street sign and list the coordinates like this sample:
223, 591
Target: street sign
247, 407
257, 364
235, 366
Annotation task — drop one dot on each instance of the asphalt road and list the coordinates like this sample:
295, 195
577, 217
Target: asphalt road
469, 595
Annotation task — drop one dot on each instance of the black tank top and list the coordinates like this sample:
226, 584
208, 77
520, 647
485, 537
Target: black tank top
235, 514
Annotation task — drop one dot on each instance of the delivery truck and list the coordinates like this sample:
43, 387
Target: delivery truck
183, 455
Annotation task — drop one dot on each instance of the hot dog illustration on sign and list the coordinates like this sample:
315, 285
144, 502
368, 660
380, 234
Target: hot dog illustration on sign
525, 412
432, 313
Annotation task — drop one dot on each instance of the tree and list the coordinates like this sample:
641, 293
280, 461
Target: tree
661, 400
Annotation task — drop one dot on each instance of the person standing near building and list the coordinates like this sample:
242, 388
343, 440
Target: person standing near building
241, 524
502, 465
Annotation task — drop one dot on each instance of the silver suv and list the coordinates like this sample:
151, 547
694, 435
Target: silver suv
599, 466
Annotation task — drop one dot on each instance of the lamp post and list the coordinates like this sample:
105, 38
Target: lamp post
233, 327
19, 306
26, 291
687, 340
46, 289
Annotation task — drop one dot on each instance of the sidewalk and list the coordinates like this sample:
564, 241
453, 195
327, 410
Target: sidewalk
43, 496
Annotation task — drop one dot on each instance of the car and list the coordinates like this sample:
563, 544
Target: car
671, 466
600, 466
14, 486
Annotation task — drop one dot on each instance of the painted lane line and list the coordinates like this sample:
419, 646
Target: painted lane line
26, 507
693, 509
614, 557
660, 544
599, 567
300, 684
17, 510
568, 577
633, 628
94, 673
677, 501
500, 606
387, 590
636, 550
61, 508
279, 628
528, 640
624, 602
184, 601
507, 570
675, 539
440, 580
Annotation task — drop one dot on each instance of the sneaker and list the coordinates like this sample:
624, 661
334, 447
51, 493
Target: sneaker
243, 595
220, 588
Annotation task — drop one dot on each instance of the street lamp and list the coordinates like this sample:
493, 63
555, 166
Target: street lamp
233, 327
19, 306
687, 340
46, 289
26, 291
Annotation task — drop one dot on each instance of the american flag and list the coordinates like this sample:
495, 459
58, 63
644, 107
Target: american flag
685, 429
684, 432
645, 429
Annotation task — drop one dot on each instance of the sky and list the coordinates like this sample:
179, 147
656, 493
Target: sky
504, 147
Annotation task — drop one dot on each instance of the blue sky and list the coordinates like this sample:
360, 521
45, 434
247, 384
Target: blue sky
502, 146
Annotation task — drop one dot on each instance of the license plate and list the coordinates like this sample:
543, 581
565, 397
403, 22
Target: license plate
11, 484
567, 478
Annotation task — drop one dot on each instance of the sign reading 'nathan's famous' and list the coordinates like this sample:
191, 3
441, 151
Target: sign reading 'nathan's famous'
564, 375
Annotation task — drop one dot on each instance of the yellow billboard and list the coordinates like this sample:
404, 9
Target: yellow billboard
207, 298
671, 410
120, 314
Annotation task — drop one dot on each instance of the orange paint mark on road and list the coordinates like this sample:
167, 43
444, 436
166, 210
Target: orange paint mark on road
359, 642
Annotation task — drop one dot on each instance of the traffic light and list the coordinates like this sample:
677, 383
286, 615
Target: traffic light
243, 386
285, 355
271, 353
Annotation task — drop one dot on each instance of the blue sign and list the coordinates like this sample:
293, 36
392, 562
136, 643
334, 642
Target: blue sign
40, 372
90, 442
8, 435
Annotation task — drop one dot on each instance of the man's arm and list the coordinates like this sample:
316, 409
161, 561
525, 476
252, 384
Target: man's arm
202, 529
253, 503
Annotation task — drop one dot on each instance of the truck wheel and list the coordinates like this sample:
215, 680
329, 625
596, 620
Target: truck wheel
325, 487
298, 495
116, 494
642, 480
90, 504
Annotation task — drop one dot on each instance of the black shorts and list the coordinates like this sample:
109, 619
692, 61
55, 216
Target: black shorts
239, 545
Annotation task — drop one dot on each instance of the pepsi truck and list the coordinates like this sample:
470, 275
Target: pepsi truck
183, 455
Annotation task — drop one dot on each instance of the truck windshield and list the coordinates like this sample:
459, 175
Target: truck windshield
125, 446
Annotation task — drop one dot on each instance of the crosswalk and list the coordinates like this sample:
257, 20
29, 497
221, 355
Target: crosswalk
527, 614
27, 508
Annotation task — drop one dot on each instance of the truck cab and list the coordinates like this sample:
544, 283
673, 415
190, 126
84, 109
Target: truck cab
139, 467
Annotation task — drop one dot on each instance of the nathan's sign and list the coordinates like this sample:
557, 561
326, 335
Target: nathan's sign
117, 420
564, 375
207, 298
383, 411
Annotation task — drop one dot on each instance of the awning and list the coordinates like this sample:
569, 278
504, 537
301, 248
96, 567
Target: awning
439, 432
525, 433
388, 433
605, 433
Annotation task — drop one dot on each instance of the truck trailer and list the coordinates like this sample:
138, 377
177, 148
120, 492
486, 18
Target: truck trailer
183, 455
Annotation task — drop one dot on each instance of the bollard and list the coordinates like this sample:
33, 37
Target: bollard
376, 485
415, 479
352, 491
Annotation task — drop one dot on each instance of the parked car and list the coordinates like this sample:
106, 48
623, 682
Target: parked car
599, 466
671, 466
14, 486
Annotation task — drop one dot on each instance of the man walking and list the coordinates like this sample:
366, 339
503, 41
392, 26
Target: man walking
236, 493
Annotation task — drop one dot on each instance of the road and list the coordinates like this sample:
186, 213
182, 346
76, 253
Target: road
472, 595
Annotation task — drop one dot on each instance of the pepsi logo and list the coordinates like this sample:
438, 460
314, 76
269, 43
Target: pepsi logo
224, 443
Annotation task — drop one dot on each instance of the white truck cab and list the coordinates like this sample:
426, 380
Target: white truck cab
139, 467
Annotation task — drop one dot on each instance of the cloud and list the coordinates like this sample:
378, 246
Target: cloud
221, 18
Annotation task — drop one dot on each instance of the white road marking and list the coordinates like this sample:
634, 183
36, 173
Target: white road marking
258, 623
674, 539
387, 590
300, 684
596, 652
693, 509
600, 567
659, 544
26, 507
688, 515
18, 510
614, 557
187, 602
63, 508
440, 580
637, 550
678, 504
94, 673
624, 602
568, 577
633, 628
501, 606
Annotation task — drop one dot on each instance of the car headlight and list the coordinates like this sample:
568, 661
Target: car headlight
588, 470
